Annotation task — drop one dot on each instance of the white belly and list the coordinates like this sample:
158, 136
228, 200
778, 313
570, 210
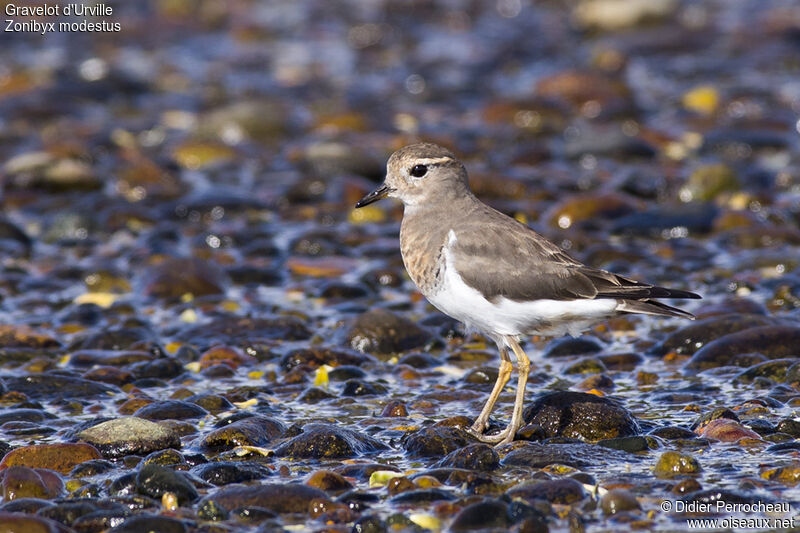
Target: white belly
509, 317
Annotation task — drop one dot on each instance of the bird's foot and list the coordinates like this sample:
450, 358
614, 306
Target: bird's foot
500, 438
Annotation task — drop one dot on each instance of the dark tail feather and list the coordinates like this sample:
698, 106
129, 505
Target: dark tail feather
651, 307
641, 292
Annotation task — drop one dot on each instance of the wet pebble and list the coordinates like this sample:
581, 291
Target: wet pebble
485, 515
146, 523
574, 454
23, 482
557, 491
619, 501
672, 463
479, 456
771, 341
255, 430
580, 415
171, 410
435, 441
320, 441
62, 457
279, 498
381, 331
155, 480
176, 277
129, 435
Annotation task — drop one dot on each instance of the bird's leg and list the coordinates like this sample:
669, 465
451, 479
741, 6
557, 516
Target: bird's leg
503, 375
523, 367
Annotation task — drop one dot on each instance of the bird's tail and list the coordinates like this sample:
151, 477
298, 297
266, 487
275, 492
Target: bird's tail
651, 307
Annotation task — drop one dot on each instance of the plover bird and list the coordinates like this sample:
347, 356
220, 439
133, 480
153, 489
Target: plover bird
494, 273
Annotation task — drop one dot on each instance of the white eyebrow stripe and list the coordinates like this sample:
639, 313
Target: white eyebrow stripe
433, 160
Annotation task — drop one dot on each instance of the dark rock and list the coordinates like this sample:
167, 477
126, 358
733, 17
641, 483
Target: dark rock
363, 471
435, 441
91, 468
156, 480
175, 277
161, 368
477, 456
360, 387
369, 524
580, 415
242, 331
619, 501
251, 431
775, 370
279, 498
213, 403
129, 435
673, 433
168, 457
697, 218
689, 339
226, 472
483, 515
115, 339
316, 357
23, 482
57, 386
774, 342
422, 496
627, 444
576, 454
382, 331
23, 523
320, 441
557, 491
67, 513
314, 395
573, 346
147, 523
170, 410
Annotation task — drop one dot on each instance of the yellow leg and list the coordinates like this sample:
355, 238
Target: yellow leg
523, 367
503, 375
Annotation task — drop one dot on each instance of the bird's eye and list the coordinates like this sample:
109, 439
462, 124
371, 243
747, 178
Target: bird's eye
418, 171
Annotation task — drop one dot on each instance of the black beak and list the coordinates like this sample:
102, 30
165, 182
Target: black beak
374, 196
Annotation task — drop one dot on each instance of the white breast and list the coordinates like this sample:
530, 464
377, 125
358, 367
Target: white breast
509, 317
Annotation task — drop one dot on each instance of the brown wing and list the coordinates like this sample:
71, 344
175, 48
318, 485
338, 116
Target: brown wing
499, 260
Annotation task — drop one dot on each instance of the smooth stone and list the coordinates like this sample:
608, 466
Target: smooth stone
775, 370
689, 339
328, 481
241, 331
255, 430
672, 433
61, 457
435, 441
279, 498
317, 356
360, 387
575, 454
124, 338
150, 523
227, 472
155, 480
619, 501
485, 515
726, 430
631, 444
176, 276
573, 346
422, 496
774, 342
23, 523
49, 386
318, 441
672, 463
479, 456
556, 491
23, 482
381, 331
580, 415
171, 410
129, 435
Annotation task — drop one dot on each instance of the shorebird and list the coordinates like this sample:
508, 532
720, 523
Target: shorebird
495, 274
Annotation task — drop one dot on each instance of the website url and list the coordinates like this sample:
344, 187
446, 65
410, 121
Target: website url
740, 523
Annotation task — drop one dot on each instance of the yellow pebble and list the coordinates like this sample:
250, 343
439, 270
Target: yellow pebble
703, 99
